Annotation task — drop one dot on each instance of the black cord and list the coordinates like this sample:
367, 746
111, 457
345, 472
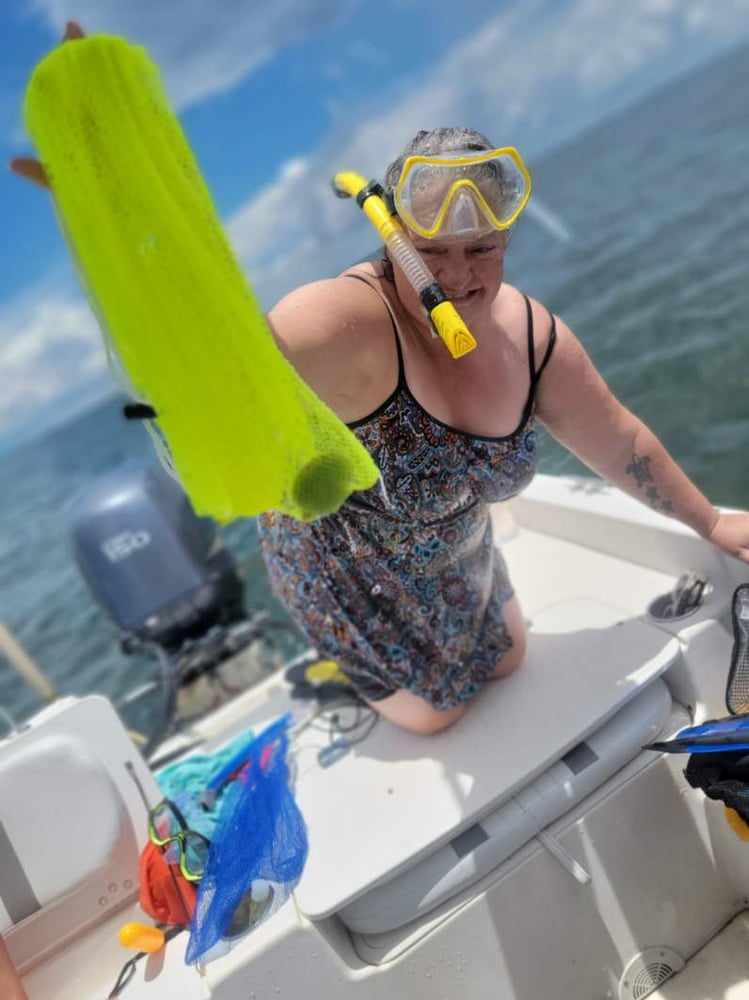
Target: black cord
128, 969
369, 725
126, 974
364, 720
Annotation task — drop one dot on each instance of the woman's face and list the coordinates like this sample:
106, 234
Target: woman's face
469, 272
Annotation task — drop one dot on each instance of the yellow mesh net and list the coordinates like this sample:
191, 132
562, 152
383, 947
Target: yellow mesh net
244, 432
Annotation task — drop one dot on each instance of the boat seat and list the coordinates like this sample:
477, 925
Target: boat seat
72, 824
402, 822
487, 843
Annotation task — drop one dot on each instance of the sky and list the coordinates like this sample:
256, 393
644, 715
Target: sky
276, 96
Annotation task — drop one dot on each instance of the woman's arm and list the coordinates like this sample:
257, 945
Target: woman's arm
579, 409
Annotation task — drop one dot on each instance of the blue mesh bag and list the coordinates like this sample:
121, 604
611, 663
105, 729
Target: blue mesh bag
258, 849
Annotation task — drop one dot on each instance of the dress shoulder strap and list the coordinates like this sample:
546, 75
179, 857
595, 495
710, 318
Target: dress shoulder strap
396, 335
536, 372
549, 347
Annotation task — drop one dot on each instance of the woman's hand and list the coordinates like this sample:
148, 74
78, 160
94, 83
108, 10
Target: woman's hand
26, 166
731, 534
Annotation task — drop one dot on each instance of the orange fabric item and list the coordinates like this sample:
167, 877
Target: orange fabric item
165, 894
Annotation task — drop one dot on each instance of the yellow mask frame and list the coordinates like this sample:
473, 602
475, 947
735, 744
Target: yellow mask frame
510, 163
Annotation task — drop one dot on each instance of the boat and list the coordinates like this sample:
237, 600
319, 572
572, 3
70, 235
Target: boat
533, 851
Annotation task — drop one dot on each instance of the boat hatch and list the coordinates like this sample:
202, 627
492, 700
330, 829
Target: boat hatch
402, 822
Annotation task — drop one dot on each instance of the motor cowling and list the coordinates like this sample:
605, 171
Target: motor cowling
158, 570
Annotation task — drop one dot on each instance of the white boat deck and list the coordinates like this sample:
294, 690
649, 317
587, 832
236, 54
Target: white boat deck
408, 794
719, 971
395, 797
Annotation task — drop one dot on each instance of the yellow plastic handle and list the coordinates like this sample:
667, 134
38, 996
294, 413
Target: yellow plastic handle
142, 937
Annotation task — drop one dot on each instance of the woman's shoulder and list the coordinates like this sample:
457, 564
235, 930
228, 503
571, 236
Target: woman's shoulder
569, 376
523, 309
337, 334
322, 311
550, 332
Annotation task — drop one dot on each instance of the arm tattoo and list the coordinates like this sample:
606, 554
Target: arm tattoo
639, 468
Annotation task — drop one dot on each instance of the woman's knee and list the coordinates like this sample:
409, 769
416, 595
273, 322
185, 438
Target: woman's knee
415, 714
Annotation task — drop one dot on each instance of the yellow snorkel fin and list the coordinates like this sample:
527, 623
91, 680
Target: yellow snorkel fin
244, 433
442, 313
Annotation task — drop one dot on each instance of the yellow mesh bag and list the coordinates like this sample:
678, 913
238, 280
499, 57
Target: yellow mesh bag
244, 432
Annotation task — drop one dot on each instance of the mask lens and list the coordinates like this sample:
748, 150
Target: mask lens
427, 195
195, 855
164, 823
172, 853
463, 215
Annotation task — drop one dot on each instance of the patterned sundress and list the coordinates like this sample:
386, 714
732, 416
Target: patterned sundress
402, 586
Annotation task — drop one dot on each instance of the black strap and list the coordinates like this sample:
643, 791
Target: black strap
128, 969
401, 366
549, 346
536, 374
531, 338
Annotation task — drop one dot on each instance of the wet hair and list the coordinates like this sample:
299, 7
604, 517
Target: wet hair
453, 139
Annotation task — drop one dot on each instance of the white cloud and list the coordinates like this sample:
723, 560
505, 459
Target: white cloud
704, 18
202, 48
527, 70
49, 344
528, 74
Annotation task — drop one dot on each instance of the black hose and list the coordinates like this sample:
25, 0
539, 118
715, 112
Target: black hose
167, 682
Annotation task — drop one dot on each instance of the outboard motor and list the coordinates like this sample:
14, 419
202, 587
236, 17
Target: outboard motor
160, 572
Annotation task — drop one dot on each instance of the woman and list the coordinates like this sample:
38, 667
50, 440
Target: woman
402, 586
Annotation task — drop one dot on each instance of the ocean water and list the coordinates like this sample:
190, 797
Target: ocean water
653, 280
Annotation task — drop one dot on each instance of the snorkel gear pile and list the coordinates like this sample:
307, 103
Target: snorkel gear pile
243, 432
258, 848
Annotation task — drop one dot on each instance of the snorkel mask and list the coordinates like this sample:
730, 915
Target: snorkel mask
459, 196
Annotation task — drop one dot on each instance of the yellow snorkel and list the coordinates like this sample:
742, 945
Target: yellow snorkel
441, 311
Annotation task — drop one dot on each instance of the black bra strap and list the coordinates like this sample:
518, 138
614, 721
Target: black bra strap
401, 366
